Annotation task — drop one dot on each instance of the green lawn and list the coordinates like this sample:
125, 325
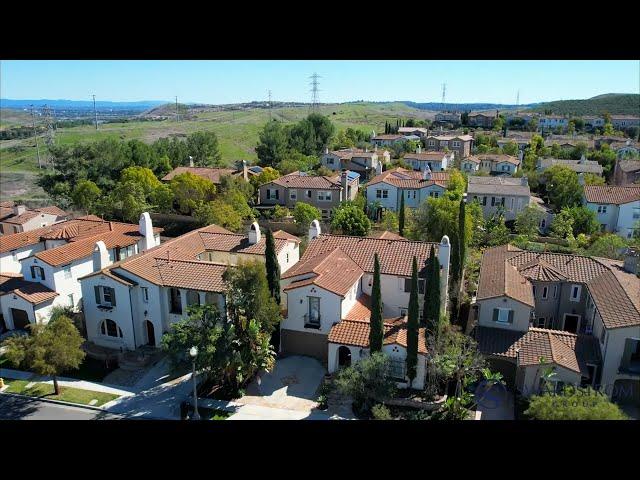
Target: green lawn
67, 394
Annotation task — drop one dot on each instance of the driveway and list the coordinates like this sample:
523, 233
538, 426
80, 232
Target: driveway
291, 385
500, 407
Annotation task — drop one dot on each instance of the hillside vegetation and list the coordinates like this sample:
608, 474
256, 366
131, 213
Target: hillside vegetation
613, 103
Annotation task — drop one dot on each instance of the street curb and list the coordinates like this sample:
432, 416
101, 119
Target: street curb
58, 402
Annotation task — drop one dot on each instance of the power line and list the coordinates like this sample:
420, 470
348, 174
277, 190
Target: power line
314, 90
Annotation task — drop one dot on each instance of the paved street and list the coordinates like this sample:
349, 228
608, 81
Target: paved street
17, 408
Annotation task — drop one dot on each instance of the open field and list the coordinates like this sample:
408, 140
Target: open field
237, 133
13, 118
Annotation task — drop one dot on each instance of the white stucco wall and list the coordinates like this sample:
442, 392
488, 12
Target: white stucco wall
10, 261
521, 313
528, 381
36, 313
298, 306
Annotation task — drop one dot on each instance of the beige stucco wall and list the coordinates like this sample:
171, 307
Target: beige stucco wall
521, 313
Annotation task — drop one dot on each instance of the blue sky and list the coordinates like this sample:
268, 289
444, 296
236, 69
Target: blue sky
218, 81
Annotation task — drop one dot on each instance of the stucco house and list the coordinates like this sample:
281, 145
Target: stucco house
55, 270
364, 162
579, 166
385, 189
626, 172
418, 131
436, 161
552, 121
387, 139
617, 207
522, 143
16, 218
511, 195
575, 314
213, 174
133, 302
470, 164
625, 121
322, 192
494, 163
459, 144
482, 119
328, 297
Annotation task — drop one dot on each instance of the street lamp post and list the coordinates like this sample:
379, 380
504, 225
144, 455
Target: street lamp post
193, 352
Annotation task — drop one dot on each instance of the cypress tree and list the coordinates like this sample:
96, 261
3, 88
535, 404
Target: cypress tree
273, 279
462, 237
431, 310
376, 331
455, 257
401, 215
412, 325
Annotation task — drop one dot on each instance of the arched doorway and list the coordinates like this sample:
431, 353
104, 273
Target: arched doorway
151, 336
344, 356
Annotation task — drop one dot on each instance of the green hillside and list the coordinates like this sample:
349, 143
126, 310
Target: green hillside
237, 132
613, 103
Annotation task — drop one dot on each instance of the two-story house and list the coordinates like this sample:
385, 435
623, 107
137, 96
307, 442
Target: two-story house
135, 301
328, 298
548, 122
16, 218
59, 267
511, 195
387, 139
436, 161
483, 120
621, 122
493, 163
364, 162
386, 189
575, 314
617, 207
459, 144
322, 192
214, 174
417, 131
579, 166
626, 172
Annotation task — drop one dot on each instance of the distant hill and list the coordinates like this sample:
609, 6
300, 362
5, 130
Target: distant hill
465, 107
613, 103
20, 104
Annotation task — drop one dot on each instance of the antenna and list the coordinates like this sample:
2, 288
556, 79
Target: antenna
444, 92
35, 135
314, 90
95, 113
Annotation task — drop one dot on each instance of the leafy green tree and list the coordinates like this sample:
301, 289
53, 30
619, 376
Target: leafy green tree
273, 144
376, 331
126, 201
608, 246
389, 221
593, 179
431, 309
563, 188
50, 349
606, 157
401, 214
585, 221
296, 161
203, 147
350, 220
412, 325
304, 214
562, 224
528, 221
85, 195
574, 404
496, 231
220, 213
190, 190
456, 185
510, 148
267, 175
156, 193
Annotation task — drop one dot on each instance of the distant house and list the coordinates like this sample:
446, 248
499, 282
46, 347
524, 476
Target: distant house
553, 121
495, 163
625, 148
593, 121
522, 143
568, 142
436, 161
579, 166
624, 121
460, 144
627, 172
213, 174
511, 195
325, 193
617, 207
419, 131
16, 218
387, 139
481, 120
470, 164
364, 162
448, 117
547, 213
386, 189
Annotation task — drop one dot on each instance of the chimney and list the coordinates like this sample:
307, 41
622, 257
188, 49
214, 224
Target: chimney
444, 254
100, 256
375, 148
379, 168
426, 173
145, 227
344, 183
631, 260
520, 155
581, 178
19, 209
314, 230
190, 161
254, 233
245, 172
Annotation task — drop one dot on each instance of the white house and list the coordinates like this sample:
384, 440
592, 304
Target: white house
364, 162
617, 207
510, 195
552, 121
385, 189
332, 284
58, 269
493, 163
16, 218
135, 301
436, 161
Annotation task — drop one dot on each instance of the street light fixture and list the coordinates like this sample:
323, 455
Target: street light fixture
193, 352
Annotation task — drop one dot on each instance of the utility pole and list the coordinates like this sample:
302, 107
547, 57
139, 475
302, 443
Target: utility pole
269, 104
95, 112
314, 91
35, 135
177, 114
444, 92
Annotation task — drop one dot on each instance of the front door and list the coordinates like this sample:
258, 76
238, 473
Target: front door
151, 336
20, 319
571, 323
344, 356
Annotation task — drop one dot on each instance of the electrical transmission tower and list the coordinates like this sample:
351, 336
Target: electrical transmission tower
95, 112
177, 114
444, 92
35, 136
314, 91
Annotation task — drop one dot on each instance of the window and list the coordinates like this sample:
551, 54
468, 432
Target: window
545, 292
455, 143
312, 319
70, 299
110, 328
432, 143
484, 201
382, 193
555, 291
324, 196
67, 271
273, 193
193, 298
308, 193
15, 229
37, 273
287, 257
292, 195
175, 301
105, 296
575, 293
540, 322
330, 161
397, 368
602, 209
434, 194
493, 201
403, 312
444, 143
502, 315
145, 294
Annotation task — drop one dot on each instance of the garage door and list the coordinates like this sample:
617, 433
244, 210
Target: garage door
304, 343
626, 392
20, 319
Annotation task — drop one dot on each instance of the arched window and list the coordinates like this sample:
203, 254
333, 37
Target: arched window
211, 298
110, 328
193, 298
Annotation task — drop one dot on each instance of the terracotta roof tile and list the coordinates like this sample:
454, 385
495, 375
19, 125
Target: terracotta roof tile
613, 194
403, 178
281, 234
32, 292
298, 180
356, 333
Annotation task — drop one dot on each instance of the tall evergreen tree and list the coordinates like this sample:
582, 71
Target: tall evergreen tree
431, 310
462, 237
401, 215
412, 325
273, 279
376, 331
455, 257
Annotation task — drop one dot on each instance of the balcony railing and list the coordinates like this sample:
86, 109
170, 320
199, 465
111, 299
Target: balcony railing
311, 322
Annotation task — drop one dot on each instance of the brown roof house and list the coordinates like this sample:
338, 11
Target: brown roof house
578, 315
366, 163
626, 172
213, 174
131, 303
16, 218
493, 163
459, 144
328, 298
322, 192
51, 267
617, 208
507, 194
579, 166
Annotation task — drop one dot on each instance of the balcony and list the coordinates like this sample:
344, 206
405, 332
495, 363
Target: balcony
630, 368
312, 322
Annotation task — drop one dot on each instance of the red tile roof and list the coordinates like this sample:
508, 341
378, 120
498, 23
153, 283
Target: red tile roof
403, 178
32, 292
299, 180
612, 194
356, 333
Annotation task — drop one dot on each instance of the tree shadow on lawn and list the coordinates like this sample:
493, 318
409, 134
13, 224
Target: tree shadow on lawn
16, 408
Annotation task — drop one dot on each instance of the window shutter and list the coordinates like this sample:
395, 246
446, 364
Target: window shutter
113, 296
42, 272
33, 272
495, 314
96, 290
510, 316
277, 194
